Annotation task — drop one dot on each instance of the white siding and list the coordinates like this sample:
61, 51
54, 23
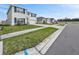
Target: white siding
11, 15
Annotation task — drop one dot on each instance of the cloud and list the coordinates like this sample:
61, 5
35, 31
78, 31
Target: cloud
74, 6
71, 6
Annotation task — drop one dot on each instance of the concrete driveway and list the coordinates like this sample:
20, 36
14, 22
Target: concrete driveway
67, 43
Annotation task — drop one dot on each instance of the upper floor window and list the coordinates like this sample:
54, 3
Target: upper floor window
28, 13
21, 10
33, 15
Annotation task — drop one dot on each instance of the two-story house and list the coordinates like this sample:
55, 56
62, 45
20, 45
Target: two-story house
17, 15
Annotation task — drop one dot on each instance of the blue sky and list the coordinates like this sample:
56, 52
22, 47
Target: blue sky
46, 10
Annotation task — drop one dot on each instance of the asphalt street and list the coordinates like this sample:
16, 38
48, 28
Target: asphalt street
67, 43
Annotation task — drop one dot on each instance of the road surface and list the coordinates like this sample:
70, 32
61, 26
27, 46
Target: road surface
67, 43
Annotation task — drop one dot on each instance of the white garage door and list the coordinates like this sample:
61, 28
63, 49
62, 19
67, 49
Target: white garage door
32, 22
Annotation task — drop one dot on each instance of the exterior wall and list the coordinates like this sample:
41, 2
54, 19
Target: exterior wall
9, 16
20, 15
39, 20
32, 20
12, 20
48, 20
44, 21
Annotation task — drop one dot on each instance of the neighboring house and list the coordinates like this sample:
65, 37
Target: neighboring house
3, 22
17, 15
44, 20
50, 20
0, 21
41, 20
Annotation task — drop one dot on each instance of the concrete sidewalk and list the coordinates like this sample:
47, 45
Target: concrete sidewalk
19, 33
44, 25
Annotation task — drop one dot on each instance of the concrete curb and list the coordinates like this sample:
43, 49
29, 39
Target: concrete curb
42, 47
54, 36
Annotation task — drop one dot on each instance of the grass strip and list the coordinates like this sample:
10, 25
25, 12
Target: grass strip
9, 29
28, 40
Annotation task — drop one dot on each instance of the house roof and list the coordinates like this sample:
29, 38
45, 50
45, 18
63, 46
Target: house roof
40, 17
13, 6
17, 7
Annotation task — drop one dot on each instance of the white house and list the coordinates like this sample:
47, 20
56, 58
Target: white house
17, 15
0, 21
45, 20
3, 22
50, 20
32, 19
41, 20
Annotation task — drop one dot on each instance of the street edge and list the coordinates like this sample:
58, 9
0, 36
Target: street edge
37, 51
55, 36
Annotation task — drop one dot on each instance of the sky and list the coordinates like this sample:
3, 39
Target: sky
46, 10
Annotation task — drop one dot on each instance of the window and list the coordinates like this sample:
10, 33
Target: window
24, 11
14, 9
21, 10
15, 21
28, 13
33, 15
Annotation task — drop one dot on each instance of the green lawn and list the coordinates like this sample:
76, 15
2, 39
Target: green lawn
9, 29
28, 40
